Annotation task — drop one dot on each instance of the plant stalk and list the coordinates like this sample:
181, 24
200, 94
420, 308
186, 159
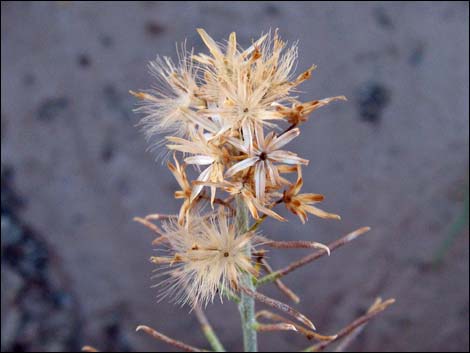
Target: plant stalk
247, 303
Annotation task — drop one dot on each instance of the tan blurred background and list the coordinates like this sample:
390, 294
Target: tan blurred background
75, 170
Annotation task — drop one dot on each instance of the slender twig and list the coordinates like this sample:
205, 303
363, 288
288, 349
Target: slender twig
255, 225
208, 331
312, 257
279, 306
289, 128
352, 326
279, 284
175, 343
159, 216
294, 244
89, 349
356, 332
153, 227
309, 334
247, 303
274, 327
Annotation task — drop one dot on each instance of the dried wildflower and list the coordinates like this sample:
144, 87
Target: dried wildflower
301, 204
170, 105
299, 112
204, 152
203, 260
186, 191
217, 108
246, 193
262, 155
245, 85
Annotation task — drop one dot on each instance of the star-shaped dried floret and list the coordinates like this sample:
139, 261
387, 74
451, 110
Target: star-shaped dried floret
262, 155
301, 204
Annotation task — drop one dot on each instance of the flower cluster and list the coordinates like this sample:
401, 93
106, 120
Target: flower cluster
230, 114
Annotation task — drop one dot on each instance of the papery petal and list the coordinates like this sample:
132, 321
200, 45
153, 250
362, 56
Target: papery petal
250, 49
309, 198
320, 213
269, 212
309, 107
211, 44
240, 145
287, 157
283, 140
247, 136
260, 180
246, 163
232, 45
199, 160
204, 176
259, 134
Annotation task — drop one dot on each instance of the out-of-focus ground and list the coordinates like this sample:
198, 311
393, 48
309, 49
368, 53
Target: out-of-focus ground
75, 170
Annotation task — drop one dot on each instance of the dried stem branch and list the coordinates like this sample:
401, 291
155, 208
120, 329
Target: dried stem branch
160, 217
279, 306
312, 257
274, 327
255, 225
153, 227
175, 343
356, 332
377, 308
279, 284
309, 334
89, 349
295, 244
208, 331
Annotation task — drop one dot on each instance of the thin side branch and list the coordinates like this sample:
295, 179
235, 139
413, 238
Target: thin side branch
353, 326
279, 284
153, 227
312, 257
255, 225
342, 346
208, 331
295, 244
274, 327
279, 306
309, 334
160, 217
161, 337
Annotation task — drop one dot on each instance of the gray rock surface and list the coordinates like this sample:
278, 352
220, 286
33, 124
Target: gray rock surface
395, 157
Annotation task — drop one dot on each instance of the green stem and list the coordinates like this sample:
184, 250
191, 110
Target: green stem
213, 339
247, 303
268, 278
208, 331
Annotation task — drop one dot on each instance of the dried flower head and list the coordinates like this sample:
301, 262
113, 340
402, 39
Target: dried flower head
170, 105
203, 258
301, 204
230, 115
224, 112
